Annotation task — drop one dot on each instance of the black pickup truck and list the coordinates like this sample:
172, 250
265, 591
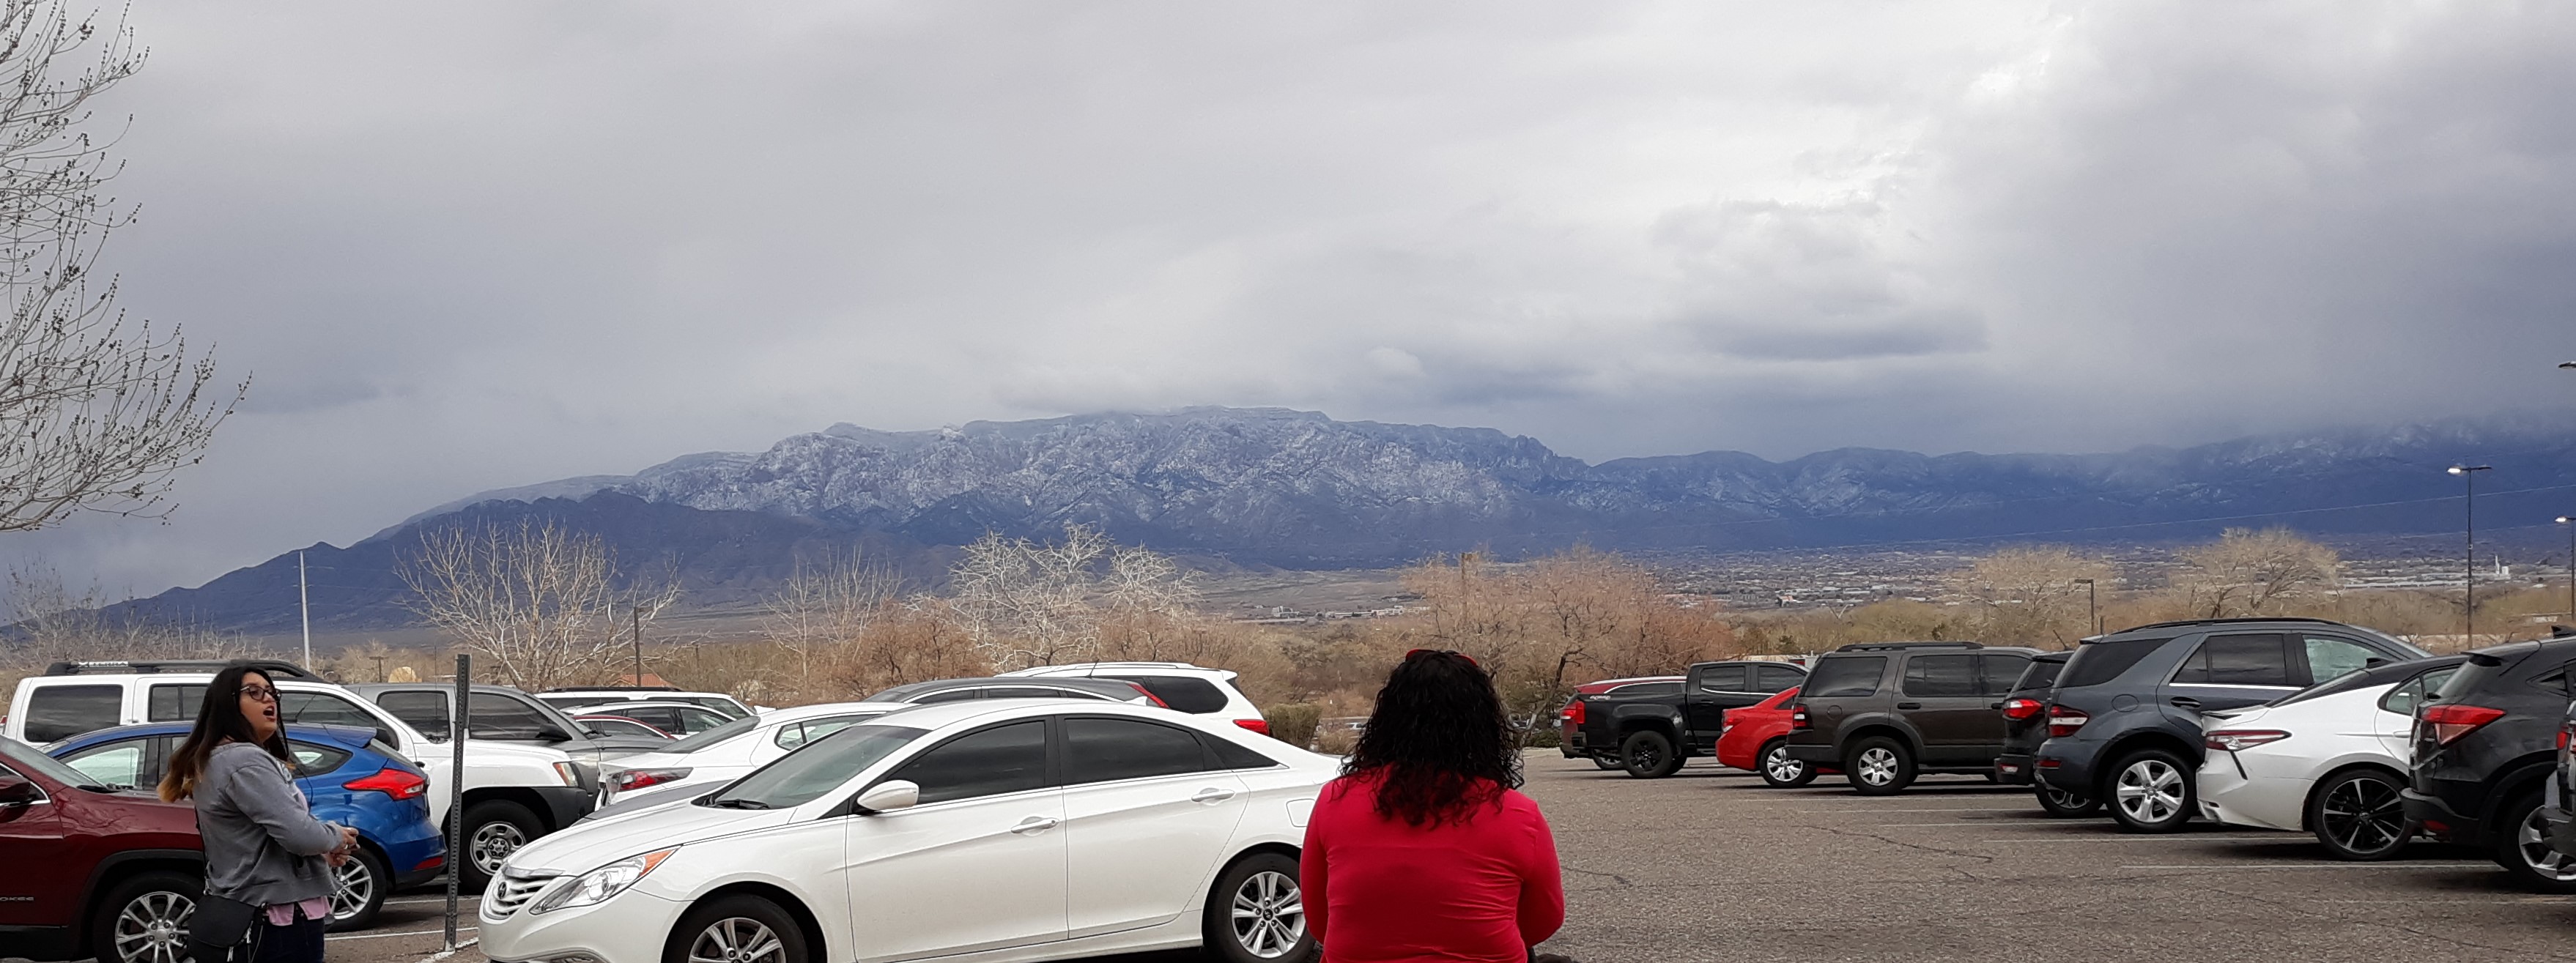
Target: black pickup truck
1650, 735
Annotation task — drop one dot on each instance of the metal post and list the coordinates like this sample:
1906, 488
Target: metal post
456, 855
2570, 522
304, 601
2469, 589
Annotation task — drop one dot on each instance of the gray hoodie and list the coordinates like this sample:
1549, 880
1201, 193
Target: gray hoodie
245, 799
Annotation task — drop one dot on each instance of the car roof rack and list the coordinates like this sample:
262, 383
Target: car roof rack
614, 688
2227, 621
276, 667
1892, 646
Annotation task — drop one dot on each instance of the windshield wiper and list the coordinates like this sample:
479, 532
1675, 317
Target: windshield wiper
739, 804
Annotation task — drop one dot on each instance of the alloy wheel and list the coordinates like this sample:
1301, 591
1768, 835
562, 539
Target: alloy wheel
2150, 791
492, 844
736, 939
153, 928
1878, 766
2544, 859
1780, 767
1269, 915
353, 886
2364, 816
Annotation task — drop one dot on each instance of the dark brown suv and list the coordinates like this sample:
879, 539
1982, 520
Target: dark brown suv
1886, 712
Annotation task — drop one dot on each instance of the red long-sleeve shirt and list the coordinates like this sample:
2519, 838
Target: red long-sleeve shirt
1382, 891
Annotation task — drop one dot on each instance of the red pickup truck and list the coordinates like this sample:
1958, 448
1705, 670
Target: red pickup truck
91, 871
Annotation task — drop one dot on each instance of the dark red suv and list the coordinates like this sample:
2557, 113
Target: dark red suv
91, 871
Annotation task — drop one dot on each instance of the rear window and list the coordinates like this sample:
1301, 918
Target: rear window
1845, 675
2041, 674
315, 759
59, 712
1181, 692
2102, 662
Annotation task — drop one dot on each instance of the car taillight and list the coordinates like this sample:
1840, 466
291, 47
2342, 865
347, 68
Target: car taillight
629, 780
1798, 717
2450, 721
1725, 721
1574, 712
2063, 721
2021, 709
1261, 726
2562, 735
398, 783
2234, 740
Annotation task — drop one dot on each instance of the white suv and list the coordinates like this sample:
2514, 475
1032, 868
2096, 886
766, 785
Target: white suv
570, 699
1179, 685
513, 793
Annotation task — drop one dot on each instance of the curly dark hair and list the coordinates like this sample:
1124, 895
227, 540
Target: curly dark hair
1438, 742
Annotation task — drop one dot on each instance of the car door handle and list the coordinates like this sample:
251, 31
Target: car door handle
2186, 702
1035, 825
1909, 705
1211, 796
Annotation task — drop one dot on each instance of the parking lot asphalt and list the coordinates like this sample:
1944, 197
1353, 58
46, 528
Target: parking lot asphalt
1710, 864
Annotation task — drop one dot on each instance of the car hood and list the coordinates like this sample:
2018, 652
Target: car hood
587, 846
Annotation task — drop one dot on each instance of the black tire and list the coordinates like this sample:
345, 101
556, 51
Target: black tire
1256, 913
2522, 847
1606, 762
766, 933
2358, 815
359, 888
1778, 770
1879, 766
2066, 805
494, 828
143, 918
2152, 791
1649, 755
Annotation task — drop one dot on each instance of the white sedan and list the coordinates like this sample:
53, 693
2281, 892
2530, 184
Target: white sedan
2330, 759
729, 751
1019, 830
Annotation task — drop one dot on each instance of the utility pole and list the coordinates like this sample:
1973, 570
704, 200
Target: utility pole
2092, 606
304, 600
380, 667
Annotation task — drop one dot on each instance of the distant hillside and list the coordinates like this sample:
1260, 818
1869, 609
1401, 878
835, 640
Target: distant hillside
1300, 490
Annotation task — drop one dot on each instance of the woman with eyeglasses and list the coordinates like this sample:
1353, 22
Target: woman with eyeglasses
1424, 849
268, 861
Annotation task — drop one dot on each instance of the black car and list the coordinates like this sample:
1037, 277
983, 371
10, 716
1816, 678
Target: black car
1886, 712
954, 690
1652, 731
2124, 720
2025, 713
2486, 745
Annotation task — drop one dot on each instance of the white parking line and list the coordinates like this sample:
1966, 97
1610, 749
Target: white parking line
460, 901
1982, 822
378, 936
1944, 809
443, 954
2277, 838
2445, 864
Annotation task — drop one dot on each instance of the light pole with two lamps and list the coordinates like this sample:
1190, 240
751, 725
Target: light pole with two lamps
2469, 589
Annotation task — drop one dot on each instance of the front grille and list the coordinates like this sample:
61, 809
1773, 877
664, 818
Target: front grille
508, 893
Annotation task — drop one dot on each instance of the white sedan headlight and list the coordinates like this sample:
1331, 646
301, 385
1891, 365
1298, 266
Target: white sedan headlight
604, 882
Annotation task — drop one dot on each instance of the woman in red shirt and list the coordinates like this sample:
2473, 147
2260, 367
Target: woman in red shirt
1423, 851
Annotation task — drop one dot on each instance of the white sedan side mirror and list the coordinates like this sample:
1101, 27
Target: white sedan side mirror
890, 795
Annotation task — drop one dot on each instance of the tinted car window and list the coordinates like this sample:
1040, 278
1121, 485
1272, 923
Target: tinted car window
1723, 678
2405, 698
1197, 696
2039, 674
795, 734
1105, 750
1996, 672
1005, 758
312, 759
2102, 662
1845, 675
58, 712
425, 711
323, 709
173, 703
1774, 678
502, 717
799, 777
621, 727
715, 735
950, 695
2329, 657
1941, 675
120, 763
2260, 659
1231, 756
664, 718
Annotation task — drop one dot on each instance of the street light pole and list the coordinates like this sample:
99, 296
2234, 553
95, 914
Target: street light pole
2092, 605
2469, 589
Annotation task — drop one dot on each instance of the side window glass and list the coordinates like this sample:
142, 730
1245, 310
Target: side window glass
315, 760
1106, 750
2258, 659
1941, 675
1775, 678
2403, 699
320, 709
1006, 758
1182, 693
174, 703
118, 764
502, 717
1997, 673
1845, 676
951, 695
1723, 678
59, 712
425, 711
2329, 657
790, 735
818, 728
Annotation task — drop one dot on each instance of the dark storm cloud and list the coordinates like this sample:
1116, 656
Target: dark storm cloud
478, 245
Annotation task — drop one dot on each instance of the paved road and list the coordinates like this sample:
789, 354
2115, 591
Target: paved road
1712, 865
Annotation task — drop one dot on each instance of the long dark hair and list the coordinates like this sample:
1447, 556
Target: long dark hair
1438, 742
219, 718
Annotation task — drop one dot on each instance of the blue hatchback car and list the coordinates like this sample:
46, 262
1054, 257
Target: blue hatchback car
348, 778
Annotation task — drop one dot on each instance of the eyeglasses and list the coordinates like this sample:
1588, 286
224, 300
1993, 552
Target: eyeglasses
259, 693
1418, 653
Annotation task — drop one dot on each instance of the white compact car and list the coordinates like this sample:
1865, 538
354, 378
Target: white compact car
726, 752
1180, 685
976, 830
2330, 760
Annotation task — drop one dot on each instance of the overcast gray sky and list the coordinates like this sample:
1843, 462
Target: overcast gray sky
470, 245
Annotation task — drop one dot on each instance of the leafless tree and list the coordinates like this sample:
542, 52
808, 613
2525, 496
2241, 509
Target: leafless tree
2247, 572
827, 605
95, 413
540, 601
49, 620
1027, 603
2030, 595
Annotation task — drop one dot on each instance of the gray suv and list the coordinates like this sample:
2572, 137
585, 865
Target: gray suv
1886, 712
